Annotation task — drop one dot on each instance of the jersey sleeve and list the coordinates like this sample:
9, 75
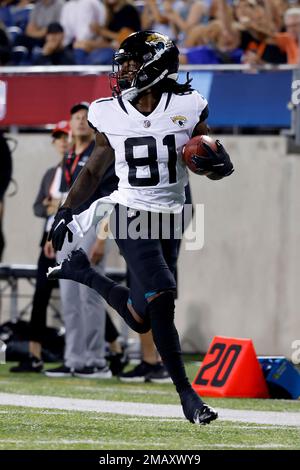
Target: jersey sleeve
94, 117
199, 111
201, 107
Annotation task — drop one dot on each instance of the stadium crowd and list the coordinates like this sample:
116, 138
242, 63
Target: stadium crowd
86, 32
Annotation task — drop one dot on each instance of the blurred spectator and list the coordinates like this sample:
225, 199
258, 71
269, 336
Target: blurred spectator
274, 11
122, 19
5, 14
19, 3
77, 17
193, 14
16, 12
289, 42
210, 55
254, 24
43, 13
46, 204
5, 46
246, 26
54, 52
5, 177
21, 13
211, 44
173, 17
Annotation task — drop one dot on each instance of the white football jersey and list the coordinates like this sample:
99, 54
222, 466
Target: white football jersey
148, 149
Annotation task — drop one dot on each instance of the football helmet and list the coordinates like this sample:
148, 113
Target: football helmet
156, 56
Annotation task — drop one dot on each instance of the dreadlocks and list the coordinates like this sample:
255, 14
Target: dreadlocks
171, 86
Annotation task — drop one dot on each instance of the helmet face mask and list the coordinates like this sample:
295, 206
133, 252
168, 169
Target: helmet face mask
125, 73
156, 57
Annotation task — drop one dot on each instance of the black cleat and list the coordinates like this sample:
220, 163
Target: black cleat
30, 364
61, 371
145, 372
158, 375
72, 267
195, 410
138, 374
117, 362
205, 415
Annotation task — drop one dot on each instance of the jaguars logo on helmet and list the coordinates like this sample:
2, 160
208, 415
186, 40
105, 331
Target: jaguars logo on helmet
157, 56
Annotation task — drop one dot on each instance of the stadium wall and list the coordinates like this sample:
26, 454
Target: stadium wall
244, 282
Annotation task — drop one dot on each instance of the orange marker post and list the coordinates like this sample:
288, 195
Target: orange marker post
231, 369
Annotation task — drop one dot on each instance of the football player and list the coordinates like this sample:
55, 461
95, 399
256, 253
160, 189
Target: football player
143, 129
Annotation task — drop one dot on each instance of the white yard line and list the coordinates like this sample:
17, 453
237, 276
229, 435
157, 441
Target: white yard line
145, 409
54, 442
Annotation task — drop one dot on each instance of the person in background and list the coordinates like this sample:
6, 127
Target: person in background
289, 41
54, 52
5, 177
83, 309
122, 19
5, 45
19, 3
46, 204
77, 17
256, 22
237, 34
173, 17
43, 13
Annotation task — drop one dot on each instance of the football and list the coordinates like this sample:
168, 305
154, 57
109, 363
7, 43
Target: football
195, 147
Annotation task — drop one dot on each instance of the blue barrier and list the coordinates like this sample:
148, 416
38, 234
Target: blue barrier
282, 377
237, 96
246, 99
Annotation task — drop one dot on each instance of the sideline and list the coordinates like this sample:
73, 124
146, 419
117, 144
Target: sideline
145, 409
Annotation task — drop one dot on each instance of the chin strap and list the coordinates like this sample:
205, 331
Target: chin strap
132, 92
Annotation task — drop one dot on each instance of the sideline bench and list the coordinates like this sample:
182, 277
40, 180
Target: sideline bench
11, 273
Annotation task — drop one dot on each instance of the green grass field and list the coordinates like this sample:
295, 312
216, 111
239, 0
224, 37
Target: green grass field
32, 428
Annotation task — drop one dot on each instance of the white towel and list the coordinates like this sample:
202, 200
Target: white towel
100, 209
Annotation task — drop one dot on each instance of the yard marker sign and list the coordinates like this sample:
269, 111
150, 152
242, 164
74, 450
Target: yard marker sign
231, 369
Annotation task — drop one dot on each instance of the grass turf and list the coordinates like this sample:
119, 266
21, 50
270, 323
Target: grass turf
28, 428
113, 389
49, 429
